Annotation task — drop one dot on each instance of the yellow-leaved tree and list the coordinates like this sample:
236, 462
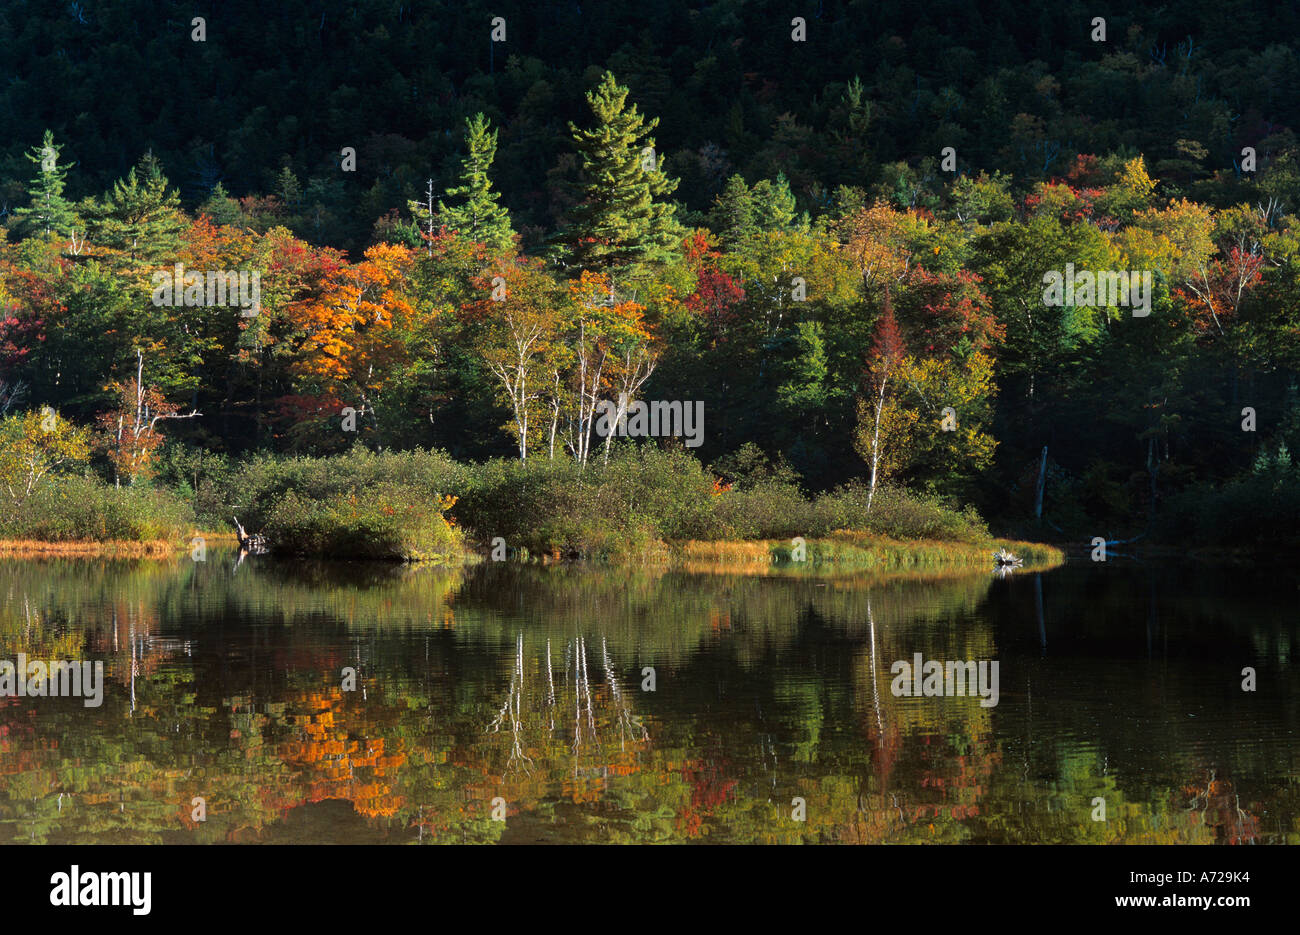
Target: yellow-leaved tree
35, 446
933, 422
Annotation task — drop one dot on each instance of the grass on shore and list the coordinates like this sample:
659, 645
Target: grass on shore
116, 548
853, 551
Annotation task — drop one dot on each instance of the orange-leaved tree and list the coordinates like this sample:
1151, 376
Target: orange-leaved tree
887, 355
613, 350
347, 334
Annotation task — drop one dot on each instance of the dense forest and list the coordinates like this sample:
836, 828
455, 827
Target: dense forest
834, 224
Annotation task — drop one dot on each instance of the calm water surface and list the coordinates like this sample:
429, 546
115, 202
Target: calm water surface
523, 690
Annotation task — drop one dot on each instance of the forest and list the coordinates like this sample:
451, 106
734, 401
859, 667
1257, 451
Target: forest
834, 226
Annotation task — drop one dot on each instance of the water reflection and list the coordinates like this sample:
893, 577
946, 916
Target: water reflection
648, 705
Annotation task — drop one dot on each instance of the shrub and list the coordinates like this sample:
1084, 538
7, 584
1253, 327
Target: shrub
666, 493
256, 488
643, 496
1259, 510
768, 509
897, 513
85, 508
387, 521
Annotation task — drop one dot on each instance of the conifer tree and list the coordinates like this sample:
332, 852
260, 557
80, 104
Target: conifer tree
289, 190
476, 211
221, 207
49, 212
740, 212
140, 216
733, 213
774, 207
617, 223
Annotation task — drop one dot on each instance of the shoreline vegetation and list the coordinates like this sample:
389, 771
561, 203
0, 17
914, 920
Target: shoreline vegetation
853, 552
81, 548
647, 505
844, 551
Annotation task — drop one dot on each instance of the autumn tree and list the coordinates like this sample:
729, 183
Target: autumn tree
520, 320
35, 446
130, 432
347, 333
613, 353
874, 239
876, 432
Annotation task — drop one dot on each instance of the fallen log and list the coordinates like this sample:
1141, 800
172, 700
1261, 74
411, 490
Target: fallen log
255, 544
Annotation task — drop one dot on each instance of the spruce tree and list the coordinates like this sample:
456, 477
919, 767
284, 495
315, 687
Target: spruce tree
289, 190
49, 212
774, 207
476, 211
733, 213
221, 207
617, 223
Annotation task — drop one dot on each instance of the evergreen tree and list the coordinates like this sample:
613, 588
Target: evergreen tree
289, 190
774, 207
139, 217
617, 223
479, 214
49, 212
221, 207
733, 213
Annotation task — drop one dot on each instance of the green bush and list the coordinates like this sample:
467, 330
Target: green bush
643, 496
768, 509
772, 509
386, 521
898, 513
68, 509
535, 505
667, 493
1259, 510
253, 491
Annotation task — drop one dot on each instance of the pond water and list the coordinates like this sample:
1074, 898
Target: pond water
610, 705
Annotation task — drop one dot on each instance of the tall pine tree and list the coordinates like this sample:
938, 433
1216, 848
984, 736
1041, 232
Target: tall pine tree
49, 212
476, 211
617, 223
774, 207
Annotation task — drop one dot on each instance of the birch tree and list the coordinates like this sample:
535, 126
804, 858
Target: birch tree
887, 354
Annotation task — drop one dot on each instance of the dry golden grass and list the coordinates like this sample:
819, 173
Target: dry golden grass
846, 550
28, 548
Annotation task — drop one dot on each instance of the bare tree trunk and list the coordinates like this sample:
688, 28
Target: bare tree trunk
875, 440
555, 411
